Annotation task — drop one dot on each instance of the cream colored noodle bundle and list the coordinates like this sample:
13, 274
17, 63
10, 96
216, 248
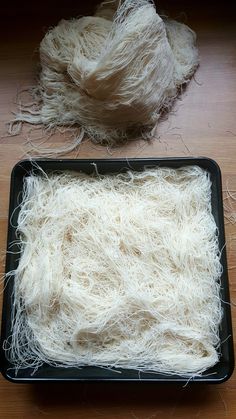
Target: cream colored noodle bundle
112, 74
118, 271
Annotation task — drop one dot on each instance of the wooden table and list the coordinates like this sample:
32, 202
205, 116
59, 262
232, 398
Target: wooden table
201, 123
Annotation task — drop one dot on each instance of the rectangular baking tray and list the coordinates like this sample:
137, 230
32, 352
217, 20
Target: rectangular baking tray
217, 374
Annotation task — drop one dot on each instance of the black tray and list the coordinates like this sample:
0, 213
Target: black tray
219, 373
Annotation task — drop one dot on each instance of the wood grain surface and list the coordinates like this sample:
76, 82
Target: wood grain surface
201, 123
